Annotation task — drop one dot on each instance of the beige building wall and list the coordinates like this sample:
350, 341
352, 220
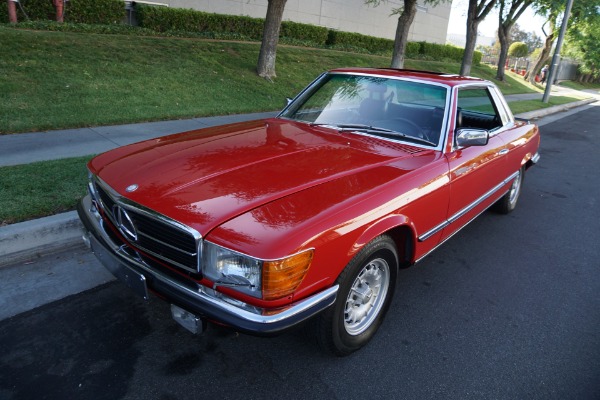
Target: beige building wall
430, 24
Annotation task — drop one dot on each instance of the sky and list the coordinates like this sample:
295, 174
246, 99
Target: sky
528, 22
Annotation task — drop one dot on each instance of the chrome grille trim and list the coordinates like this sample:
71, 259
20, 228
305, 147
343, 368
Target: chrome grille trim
168, 245
184, 242
167, 260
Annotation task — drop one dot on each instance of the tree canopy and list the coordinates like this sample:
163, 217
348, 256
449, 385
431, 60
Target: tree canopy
531, 39
518, 49
583, 43
584, 18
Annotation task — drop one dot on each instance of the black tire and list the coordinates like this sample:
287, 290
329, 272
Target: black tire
353, 319
508, 202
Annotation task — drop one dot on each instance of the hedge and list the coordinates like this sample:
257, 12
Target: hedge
36, 10
414, 50
78, 11
441, 52
370, 43
163, 19
304, 32
103, 12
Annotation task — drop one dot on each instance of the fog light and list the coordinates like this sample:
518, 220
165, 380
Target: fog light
188, 320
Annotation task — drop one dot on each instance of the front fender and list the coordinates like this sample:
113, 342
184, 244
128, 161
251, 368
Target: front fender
388, 224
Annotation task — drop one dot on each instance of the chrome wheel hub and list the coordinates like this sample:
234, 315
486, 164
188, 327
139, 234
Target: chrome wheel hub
366, 297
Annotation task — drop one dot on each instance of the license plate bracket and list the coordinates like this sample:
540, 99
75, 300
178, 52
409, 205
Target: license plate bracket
133, 279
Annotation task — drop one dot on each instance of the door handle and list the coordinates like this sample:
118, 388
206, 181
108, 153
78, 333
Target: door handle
503, 152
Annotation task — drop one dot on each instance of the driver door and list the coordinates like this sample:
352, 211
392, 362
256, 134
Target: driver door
475, 171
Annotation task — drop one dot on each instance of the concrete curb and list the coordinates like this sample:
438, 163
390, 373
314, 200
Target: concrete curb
555, 109
32, 239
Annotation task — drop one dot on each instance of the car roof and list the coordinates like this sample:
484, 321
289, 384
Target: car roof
437, 77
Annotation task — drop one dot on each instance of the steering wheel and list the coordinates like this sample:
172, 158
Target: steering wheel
410, 128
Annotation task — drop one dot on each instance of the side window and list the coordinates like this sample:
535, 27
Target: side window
477, 110
502, 107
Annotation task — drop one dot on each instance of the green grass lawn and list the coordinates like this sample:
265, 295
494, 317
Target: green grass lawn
40, 189
55, 80
522, 106
579, 85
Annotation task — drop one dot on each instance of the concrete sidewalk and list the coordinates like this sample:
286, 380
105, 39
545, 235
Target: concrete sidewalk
32, 239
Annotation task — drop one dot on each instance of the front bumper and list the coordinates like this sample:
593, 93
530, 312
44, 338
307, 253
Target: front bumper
126, 264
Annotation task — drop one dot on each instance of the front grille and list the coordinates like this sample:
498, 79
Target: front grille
107, 201
155, 234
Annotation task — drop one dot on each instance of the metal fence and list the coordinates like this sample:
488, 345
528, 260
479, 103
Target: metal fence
567, 69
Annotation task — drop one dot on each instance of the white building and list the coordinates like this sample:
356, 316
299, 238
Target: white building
430, 24
460, 39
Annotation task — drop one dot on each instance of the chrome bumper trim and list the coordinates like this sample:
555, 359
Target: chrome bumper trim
209, 306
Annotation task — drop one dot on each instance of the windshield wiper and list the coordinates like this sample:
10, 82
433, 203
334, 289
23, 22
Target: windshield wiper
409, 137
352, 127
362, 127
232, 281
375, 130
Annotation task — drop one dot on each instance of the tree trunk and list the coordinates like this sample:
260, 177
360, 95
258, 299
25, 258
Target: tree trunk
505, 24
12, 12
405, 20
268, 48
475, 14
503, 32
537, 66
467, 61
59, 6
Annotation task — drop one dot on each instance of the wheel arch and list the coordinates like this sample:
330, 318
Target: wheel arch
527, 161
400, 228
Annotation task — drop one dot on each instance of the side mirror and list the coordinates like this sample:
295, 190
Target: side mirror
466, 137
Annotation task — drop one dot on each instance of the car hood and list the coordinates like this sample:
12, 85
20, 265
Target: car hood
206, 177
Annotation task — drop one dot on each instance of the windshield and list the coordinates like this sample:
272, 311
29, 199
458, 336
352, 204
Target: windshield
390, 108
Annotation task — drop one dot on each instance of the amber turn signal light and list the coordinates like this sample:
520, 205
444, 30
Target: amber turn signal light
280, 278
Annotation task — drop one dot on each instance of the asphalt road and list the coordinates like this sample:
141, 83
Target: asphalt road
507, 309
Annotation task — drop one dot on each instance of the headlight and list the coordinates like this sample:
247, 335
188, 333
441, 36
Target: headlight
229, 268
269, 279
